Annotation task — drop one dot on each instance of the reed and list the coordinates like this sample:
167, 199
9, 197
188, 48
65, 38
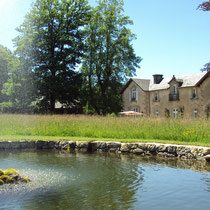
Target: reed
127, 128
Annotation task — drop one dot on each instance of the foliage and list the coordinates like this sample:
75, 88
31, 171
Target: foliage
206, 67
16, 83
181, 110
205, 6
110, 56
207, 111
167, 113
6, 107
19, 88
51, 38
5, 67
55, 37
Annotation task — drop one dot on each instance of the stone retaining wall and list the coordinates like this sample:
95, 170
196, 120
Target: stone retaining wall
145, 149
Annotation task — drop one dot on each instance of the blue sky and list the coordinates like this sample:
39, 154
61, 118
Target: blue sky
173, 37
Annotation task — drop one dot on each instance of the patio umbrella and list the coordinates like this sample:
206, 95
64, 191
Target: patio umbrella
131, 113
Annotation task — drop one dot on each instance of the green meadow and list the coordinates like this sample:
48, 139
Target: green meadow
124, 129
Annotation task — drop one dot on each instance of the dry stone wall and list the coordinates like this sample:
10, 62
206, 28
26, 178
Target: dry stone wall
144, 149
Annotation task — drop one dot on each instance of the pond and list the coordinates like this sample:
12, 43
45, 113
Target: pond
104, 181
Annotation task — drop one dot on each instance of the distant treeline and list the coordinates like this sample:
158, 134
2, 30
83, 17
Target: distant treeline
69, 57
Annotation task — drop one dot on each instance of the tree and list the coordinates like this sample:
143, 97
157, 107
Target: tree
16, 92
110, 57
206, 67
5, 58
20, 87
51, 38
205, 6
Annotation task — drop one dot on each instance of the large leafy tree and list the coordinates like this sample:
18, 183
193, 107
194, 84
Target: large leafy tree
51, 39
16, 84
110, 57
19, 87
5, 58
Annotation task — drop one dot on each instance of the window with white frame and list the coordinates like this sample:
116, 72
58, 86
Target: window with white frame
156, 113
195, 113
175, 113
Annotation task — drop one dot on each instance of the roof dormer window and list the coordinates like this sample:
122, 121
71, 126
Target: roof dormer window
174, 89
174, 96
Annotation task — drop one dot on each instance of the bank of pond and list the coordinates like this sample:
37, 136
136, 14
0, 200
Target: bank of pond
143, 149
84, 179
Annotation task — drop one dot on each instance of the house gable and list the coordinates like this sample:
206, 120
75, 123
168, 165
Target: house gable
141, 83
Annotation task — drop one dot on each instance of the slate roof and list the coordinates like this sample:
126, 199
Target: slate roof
189, 80
143, 83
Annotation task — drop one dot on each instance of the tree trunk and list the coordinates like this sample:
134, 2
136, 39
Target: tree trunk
52, 93
52, 103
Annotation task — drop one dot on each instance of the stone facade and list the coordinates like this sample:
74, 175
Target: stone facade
186, 96
139, 105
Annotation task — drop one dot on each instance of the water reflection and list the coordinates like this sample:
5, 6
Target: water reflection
99, 181
77, 180
201, 166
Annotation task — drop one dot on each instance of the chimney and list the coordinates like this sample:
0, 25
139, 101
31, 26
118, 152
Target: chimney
157, 78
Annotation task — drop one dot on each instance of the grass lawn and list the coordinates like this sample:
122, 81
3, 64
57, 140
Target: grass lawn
91, 128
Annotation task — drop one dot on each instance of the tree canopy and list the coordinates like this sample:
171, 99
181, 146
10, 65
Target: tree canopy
110, 56
71, 53
16, 84
5, 60
51, 37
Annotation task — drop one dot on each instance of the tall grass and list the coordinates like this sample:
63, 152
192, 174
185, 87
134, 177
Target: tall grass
186, 130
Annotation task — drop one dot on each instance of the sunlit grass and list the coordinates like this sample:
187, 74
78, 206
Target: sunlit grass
188, 131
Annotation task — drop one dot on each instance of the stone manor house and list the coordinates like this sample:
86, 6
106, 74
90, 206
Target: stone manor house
182, 96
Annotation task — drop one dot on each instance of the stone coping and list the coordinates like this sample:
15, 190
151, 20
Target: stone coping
144, 149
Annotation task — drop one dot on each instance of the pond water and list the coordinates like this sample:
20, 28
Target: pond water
104, 181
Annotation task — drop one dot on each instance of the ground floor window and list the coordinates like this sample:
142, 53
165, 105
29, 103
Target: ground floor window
136, 110
195, 113
175, 113
156, 113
